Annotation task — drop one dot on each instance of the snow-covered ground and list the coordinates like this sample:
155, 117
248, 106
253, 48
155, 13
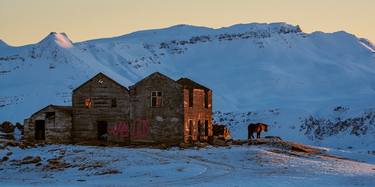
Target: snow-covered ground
211, 166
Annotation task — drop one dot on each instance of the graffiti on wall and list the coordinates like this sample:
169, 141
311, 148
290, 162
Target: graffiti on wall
137, 130
141, 128
121, 129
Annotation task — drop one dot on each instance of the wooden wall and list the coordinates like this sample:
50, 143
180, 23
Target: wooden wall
101, 90
164, 124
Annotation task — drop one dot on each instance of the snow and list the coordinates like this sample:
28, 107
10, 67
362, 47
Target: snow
222, 166
61, 39
254, 67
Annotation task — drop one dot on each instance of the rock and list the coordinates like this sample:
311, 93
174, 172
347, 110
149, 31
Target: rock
7, 127
238, 142
9, 153
30, 160
5, 158
11, 144
56, 164
108, 171
219, 142
273, 137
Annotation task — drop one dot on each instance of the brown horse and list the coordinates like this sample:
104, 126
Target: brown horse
256, 127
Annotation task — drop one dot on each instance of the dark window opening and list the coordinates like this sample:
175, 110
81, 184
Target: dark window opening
199, 128
206, 127
88, 103
191, 130
191, 98
40, 130
50, 115
113, 103
156, 99
205, 99
102, 130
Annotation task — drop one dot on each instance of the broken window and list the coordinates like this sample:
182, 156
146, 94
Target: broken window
156, 99
191, 98
113, 102
88, 103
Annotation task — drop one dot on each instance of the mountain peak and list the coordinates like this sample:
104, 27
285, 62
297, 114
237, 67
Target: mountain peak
60, 39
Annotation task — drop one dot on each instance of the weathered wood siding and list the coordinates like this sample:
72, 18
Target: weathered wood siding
162, 124
101, 90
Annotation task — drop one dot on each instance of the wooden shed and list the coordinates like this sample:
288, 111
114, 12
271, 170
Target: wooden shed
52, 124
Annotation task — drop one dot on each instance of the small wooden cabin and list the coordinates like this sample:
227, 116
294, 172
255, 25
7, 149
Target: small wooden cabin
52, 124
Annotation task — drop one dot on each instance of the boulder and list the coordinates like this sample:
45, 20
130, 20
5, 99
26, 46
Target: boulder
7, 127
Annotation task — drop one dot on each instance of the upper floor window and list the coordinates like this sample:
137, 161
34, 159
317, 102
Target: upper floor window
191, 95
156, 99
206, 99
88, 103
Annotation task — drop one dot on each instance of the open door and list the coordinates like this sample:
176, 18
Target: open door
102, 130
40, 130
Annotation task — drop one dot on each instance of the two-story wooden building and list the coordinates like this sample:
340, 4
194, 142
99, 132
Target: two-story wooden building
156, 109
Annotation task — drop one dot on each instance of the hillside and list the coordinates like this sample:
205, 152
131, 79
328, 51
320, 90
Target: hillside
273, 73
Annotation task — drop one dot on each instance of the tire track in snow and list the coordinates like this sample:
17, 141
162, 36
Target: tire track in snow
213, 171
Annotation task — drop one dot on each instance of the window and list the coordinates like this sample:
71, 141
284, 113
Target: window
156, 99
206, 99
88, 103
206, 127
191, 98
113, 103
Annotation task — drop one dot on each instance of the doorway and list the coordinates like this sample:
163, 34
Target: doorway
102, 130
40, 130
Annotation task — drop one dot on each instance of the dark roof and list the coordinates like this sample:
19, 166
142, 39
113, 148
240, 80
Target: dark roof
100, 73
57, 108
150, 76
191, 84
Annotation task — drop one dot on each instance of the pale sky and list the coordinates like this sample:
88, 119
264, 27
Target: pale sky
28, 21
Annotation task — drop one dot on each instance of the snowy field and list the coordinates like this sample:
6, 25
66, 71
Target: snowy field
211, 166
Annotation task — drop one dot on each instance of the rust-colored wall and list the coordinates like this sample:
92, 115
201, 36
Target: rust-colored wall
198, 112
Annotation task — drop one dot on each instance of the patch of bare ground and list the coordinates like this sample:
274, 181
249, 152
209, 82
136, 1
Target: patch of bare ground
108, 171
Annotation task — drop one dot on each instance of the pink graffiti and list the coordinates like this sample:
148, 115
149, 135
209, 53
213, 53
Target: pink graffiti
121, 129
138, 130
141, 128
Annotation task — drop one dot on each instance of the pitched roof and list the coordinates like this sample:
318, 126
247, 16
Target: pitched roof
56, 107
191, 84
151, 76
101, 74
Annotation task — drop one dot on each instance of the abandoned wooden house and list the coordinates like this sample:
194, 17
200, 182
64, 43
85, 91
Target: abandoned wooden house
99, 105
52, 124
156, 109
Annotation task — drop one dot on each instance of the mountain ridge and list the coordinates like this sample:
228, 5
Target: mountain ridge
249, 67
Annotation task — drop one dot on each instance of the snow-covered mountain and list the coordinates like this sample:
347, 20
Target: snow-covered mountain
254, 69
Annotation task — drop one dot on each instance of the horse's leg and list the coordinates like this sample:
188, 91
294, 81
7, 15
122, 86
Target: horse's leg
258, 134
